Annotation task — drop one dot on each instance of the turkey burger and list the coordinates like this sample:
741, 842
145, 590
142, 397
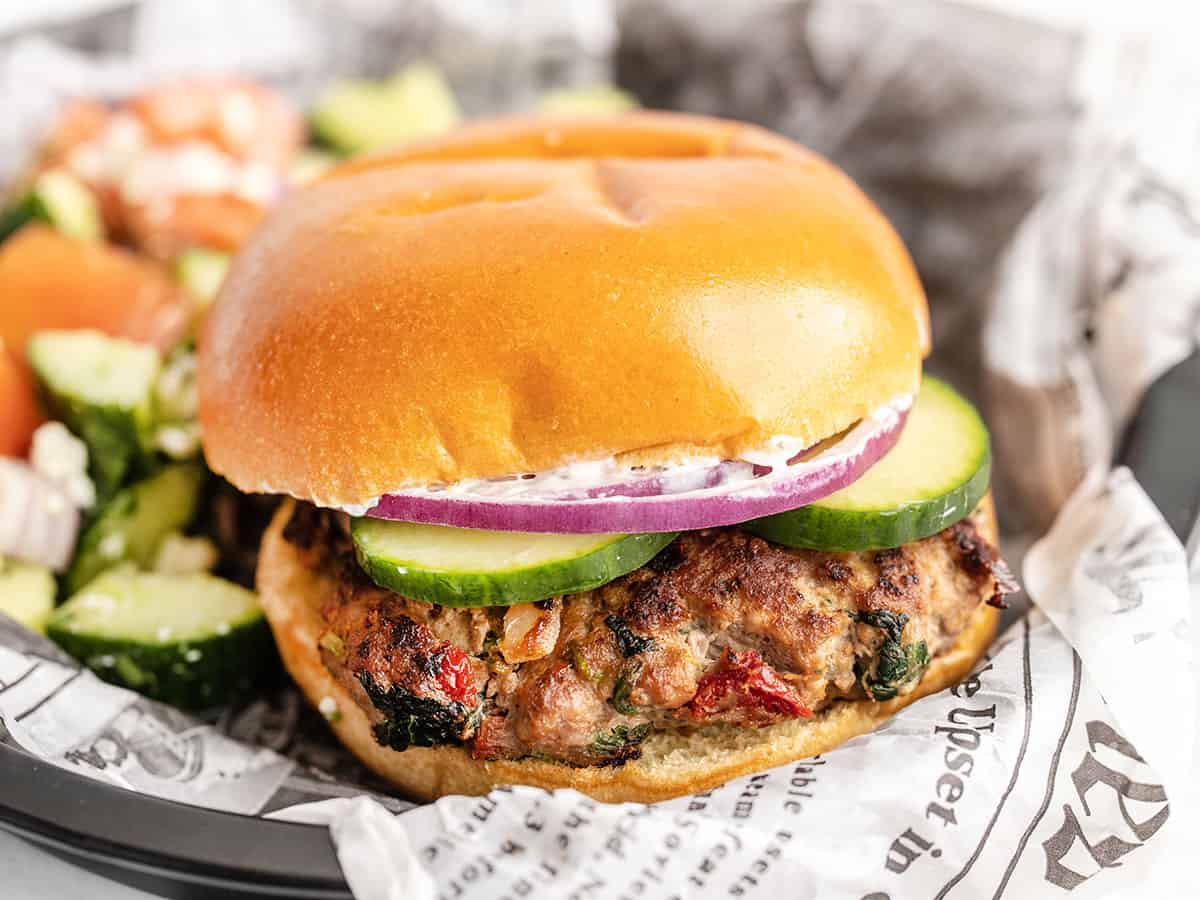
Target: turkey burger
610, 458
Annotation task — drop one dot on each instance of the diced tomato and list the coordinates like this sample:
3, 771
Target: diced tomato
19, 414
246, 120
745, 688
215, 221
78, 123
51, 281
456, 677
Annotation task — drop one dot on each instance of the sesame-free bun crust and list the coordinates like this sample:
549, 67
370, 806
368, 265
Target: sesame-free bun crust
671, 765
530, 292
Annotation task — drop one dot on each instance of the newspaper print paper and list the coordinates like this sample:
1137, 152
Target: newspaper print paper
1019, 779
1043, 179
51, 708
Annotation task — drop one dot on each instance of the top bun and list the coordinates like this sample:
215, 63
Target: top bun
525, 293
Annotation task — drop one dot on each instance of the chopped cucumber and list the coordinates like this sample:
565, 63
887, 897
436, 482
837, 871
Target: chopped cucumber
468, 567
132, 526
175, 398
60, 200
201, 272
596, 100
935, 475
177, 433
26, 593
13, 219
101, 388
67, 204
356, 116
193, 641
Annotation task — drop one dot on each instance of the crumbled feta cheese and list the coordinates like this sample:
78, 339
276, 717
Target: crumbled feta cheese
193, 655
98, 601
176, 402
56, 504
61, 458
182, 555
222, 628
175, 390
109, 156
188, 168
258, 183
163, 634
239, 116
112, 546
178, 441
329, 709
125, 135
57, 453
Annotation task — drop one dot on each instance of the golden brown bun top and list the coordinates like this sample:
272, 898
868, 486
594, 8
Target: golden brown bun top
530, 292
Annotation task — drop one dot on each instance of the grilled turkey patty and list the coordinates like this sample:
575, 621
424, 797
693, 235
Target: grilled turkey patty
719, 627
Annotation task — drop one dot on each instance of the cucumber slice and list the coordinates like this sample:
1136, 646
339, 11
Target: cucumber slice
194, 641
60, 200
67, 204
356, 116
131, 526
935, 475
201, 272
468, 567
13, 219
26, 593
101, 388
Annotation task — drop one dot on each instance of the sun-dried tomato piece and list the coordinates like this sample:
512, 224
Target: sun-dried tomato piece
744, 689
456, 677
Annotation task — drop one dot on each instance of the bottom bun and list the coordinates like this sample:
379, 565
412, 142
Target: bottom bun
672, 764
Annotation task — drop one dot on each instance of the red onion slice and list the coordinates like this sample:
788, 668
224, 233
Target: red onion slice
723, 494
38, 522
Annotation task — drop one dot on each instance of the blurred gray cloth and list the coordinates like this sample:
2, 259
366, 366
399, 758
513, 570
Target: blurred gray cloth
1043, 179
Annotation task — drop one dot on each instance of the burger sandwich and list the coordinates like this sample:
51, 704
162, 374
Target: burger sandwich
609, 458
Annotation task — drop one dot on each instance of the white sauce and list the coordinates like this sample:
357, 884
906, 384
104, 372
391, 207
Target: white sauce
686, 475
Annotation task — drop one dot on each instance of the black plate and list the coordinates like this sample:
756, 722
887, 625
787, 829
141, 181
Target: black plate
184, 851
160, 846
1162, 445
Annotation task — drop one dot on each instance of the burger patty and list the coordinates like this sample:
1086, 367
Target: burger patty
720, 627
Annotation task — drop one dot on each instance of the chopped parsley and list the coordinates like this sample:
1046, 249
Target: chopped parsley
412, 721
621, 742
628, 643
624, 687
580, 664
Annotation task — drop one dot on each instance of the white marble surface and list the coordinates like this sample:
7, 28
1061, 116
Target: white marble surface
32, 874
